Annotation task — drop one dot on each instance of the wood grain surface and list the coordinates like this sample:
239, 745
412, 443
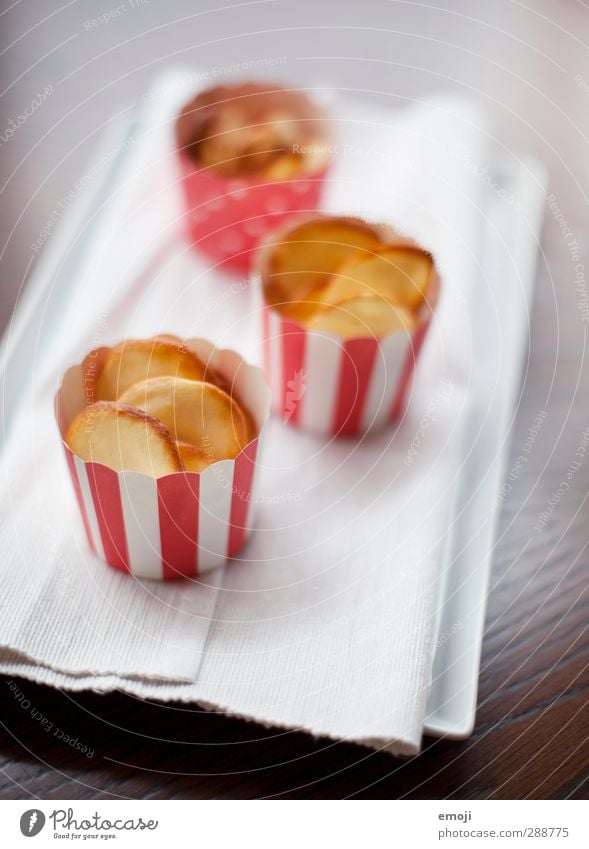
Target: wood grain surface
529, 67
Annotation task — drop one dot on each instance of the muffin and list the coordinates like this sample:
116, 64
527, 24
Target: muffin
161, 438
250, 156
347, 304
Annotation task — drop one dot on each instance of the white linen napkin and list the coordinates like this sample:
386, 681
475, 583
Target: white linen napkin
327, 621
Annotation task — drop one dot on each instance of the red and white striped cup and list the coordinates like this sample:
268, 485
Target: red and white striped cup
226, 218
336, 387
182, 524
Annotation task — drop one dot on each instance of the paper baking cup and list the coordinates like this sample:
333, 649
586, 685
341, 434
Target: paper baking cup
336, 387
226, 218
182, 524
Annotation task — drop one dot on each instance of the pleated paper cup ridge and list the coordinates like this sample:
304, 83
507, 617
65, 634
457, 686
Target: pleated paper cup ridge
335, 387
227, 217
182, 524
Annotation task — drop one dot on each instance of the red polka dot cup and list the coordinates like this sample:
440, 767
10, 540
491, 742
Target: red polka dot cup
250, 157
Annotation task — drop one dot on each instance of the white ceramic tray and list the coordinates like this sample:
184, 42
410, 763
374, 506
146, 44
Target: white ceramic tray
508, 257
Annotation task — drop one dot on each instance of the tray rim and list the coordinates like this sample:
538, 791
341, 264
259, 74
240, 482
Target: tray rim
528, 179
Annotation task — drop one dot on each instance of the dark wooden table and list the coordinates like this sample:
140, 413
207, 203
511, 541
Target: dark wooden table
530, 68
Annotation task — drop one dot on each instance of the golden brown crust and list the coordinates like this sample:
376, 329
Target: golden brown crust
124, 438
194, 459
195, 412
285, 269
137, 359
324, 261
229, 424
399, 274
254, 129
363, 317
